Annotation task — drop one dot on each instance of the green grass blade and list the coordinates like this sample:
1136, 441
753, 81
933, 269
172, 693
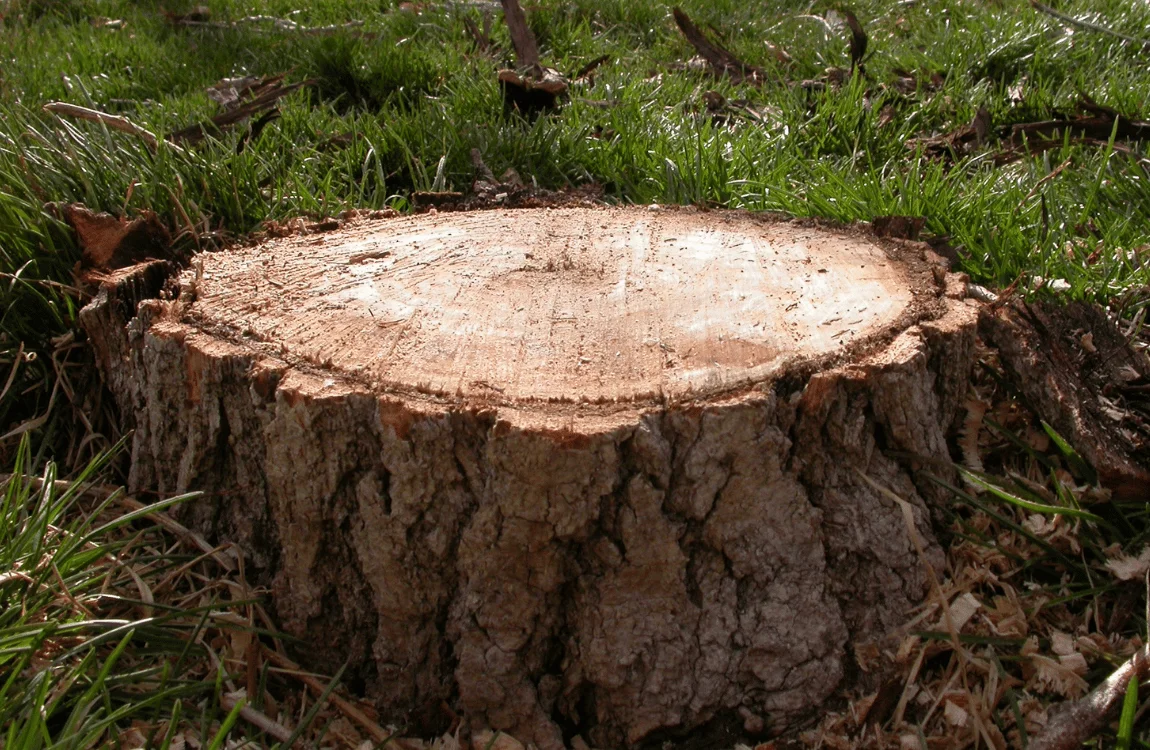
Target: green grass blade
1129, 710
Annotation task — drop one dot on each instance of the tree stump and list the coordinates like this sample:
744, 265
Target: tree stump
565, 470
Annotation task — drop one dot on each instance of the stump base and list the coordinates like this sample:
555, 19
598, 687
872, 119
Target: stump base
551, 524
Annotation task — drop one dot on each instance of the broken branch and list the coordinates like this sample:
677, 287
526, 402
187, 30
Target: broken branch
1077, 722
258, 719
526, 52
718, 57
1072, 21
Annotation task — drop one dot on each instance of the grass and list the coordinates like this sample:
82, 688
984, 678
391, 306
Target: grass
84, 651
398, 105
119, 629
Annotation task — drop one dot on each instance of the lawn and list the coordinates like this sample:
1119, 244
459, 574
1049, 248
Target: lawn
399, 95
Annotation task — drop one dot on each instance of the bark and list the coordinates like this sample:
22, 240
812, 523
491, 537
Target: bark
1082, 376
629, 575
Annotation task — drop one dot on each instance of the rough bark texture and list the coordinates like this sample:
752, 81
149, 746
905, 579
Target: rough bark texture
1082, 376
697, 560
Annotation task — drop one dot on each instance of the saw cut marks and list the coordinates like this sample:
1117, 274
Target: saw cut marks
559, 305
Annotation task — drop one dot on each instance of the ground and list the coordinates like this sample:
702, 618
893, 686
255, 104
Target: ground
397, 98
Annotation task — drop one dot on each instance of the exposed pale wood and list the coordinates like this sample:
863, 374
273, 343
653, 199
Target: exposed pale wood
564, 306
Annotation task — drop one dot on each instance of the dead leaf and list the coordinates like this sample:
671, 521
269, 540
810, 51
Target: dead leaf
107, 242
858, 39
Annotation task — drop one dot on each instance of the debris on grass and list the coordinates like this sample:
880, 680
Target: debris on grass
241, 98
532, 88
116, 122
481, 35
957, 143
726, 112
1089, 25
108, 242
1089, 397
721, 60
1096, 125
585, 74
242, 101
201, 17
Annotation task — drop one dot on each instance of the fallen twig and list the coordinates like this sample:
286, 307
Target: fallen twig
1099, 129
116, 122
1087, 24
352, 712
1077, 722
1034, 190
267, 99
718, 57
482, 36
590, 67
526, 51
277, 24
957, 143
258, 719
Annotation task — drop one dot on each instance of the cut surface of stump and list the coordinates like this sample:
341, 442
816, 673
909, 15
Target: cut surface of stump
593, 471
